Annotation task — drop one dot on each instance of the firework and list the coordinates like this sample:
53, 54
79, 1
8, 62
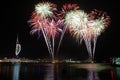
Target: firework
98, 22
45, 9
66, 9
87, 27
42, 21
75, 19
76, 22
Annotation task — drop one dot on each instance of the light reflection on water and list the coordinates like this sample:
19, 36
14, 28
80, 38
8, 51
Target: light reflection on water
93, 75
16, 70
48, 71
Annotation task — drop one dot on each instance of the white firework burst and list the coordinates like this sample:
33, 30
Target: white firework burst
75, 18
44, 9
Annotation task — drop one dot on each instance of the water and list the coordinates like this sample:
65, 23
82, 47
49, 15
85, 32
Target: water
49, 71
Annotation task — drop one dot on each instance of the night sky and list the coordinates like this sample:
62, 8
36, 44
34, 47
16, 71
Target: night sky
16, 13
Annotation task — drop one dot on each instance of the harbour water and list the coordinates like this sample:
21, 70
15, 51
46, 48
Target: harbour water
58, 71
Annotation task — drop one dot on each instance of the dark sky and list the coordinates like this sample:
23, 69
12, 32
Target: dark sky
16, 13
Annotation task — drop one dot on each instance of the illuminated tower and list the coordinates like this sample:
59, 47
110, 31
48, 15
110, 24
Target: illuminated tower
18, 47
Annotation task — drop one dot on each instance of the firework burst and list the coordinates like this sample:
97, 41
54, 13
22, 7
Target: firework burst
45, 9
43, 21
87, 27
75, 19
64, 15
98, 22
